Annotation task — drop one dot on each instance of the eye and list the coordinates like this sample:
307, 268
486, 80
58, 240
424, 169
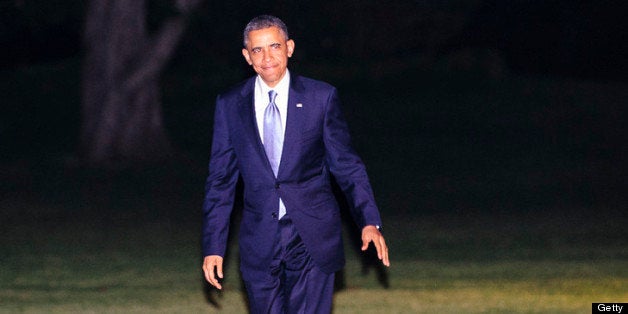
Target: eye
256, 50
276, 46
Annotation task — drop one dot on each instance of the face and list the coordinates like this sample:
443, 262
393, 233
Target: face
267, 51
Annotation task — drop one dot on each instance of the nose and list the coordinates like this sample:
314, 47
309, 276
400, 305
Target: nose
266, 55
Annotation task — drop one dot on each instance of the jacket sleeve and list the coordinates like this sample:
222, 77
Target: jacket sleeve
347, 167
219, 187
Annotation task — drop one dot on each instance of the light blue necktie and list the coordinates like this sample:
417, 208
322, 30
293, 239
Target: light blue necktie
273, 138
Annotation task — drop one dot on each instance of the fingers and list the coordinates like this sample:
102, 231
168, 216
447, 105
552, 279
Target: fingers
212, 265
365, 243
384, 252
219, 270
212, 279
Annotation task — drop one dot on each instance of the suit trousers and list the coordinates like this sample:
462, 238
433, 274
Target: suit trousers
295, 284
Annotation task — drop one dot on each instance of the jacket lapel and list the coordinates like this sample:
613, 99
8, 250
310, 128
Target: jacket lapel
294, 121
249, 123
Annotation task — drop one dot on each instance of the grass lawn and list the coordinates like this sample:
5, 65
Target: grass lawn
546, 287
59, 263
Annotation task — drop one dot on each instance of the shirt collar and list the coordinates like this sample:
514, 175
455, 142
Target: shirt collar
281, 88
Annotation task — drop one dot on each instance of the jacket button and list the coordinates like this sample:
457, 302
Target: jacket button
277, 185
274, 215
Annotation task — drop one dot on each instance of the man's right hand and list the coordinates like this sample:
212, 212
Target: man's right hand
212, 265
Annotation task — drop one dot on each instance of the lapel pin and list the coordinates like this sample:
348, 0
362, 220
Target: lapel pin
299, 105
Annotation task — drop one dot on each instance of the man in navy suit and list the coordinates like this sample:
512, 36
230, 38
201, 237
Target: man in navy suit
290, 235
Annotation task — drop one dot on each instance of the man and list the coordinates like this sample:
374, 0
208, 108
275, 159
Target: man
283, 135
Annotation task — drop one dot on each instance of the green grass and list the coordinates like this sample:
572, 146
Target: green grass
53, 263
418, 287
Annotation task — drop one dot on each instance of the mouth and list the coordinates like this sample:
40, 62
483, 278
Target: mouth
268, 68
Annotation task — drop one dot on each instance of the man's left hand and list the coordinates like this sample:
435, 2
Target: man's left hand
371, 234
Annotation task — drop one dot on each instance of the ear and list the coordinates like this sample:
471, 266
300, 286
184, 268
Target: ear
246, 55
290, 45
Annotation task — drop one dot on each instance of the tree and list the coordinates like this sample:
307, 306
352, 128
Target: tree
121, 110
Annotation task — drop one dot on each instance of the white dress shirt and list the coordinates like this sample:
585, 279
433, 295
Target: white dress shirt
262, 100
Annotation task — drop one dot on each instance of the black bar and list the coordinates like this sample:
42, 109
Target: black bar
609, 307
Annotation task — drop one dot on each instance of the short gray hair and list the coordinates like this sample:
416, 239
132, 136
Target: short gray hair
262, 22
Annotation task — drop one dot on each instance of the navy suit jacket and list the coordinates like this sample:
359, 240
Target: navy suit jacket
316, 143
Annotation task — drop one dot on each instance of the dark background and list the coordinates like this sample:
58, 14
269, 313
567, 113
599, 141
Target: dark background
457, 107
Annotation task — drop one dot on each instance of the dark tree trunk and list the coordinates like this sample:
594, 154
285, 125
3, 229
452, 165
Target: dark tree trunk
121, 110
